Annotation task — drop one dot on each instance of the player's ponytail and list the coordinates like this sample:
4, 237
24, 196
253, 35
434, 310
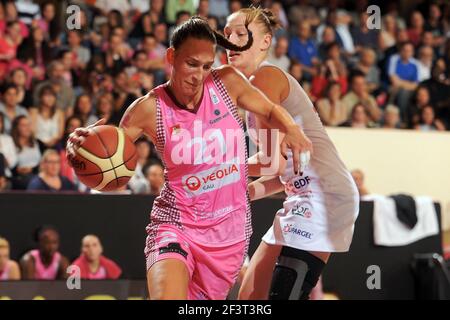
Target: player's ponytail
198, 28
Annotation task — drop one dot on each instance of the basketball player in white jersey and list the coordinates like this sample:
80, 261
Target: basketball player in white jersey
321, 206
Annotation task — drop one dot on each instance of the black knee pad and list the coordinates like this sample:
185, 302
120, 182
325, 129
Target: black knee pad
295, 275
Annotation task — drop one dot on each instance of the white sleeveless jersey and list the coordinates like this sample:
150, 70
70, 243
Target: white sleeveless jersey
321, 205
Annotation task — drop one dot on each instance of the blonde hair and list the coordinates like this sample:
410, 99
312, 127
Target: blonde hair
46, 155
264, 17
4, 244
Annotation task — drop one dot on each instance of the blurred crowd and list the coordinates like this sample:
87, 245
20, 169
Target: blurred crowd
54, 79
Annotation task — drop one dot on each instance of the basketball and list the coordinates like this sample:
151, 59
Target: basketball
106, 160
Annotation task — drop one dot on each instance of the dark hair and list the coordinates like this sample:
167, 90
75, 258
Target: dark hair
182, 13
355, 74
138, 52
15, 133
44, 90
327, 89
331, 45
41, 229
198, 28
8, 86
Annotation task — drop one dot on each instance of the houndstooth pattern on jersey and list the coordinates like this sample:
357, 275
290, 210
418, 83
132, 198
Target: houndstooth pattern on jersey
233, 109
164, 209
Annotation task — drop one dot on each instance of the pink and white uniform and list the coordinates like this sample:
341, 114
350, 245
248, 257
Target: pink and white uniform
202, 216
42, 272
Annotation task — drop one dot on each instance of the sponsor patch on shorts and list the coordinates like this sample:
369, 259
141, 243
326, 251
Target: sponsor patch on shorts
173, 247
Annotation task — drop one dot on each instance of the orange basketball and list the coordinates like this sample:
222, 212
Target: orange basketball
106, 160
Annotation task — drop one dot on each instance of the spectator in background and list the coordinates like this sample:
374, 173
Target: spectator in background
435, 25
28, 154
7, 149
117, 54
182, 16
65, 97
138, 183
48, 23
328, 37
278, 11
367, 65
295, 70
10, 108
20, 79
391, 118
203, 9
358, 177
359, 117
106, 6
388, 33
363, 37
36, 53
278, 56
155, 58
221, 9
161, 35
331, 110
420, 101
105, 108
12, 15
9, 42
155, 177
303, 49
9, 269
173, 7
404, 76
81, 53
49, 178
339, 21
66, 170
332, 69
416, 28
47, 121
83, 110
359, 93
92, 263
45, 262
428, 121
425, 63
303, 11
235, 5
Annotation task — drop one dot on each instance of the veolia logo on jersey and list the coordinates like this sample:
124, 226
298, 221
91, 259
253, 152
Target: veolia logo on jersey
211, 179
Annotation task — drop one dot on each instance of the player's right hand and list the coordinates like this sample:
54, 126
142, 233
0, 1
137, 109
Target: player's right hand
78, 136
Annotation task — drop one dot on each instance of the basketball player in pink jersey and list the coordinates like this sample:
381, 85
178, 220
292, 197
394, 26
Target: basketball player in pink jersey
322, 201
45, 263
9, 269
201, 222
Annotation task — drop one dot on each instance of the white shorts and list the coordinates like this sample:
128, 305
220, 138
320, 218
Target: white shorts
313, 219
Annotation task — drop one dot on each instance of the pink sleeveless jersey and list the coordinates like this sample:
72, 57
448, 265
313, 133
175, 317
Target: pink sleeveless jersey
99, 275
4, 274
42, 272
205, 160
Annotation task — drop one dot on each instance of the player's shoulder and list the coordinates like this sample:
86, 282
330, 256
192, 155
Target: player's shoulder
269, 73
146, 103
228, 72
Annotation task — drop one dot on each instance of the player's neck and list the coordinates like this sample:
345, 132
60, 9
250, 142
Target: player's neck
190, 103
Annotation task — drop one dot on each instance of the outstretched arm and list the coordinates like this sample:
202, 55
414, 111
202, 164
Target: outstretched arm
252, 99
264, 187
